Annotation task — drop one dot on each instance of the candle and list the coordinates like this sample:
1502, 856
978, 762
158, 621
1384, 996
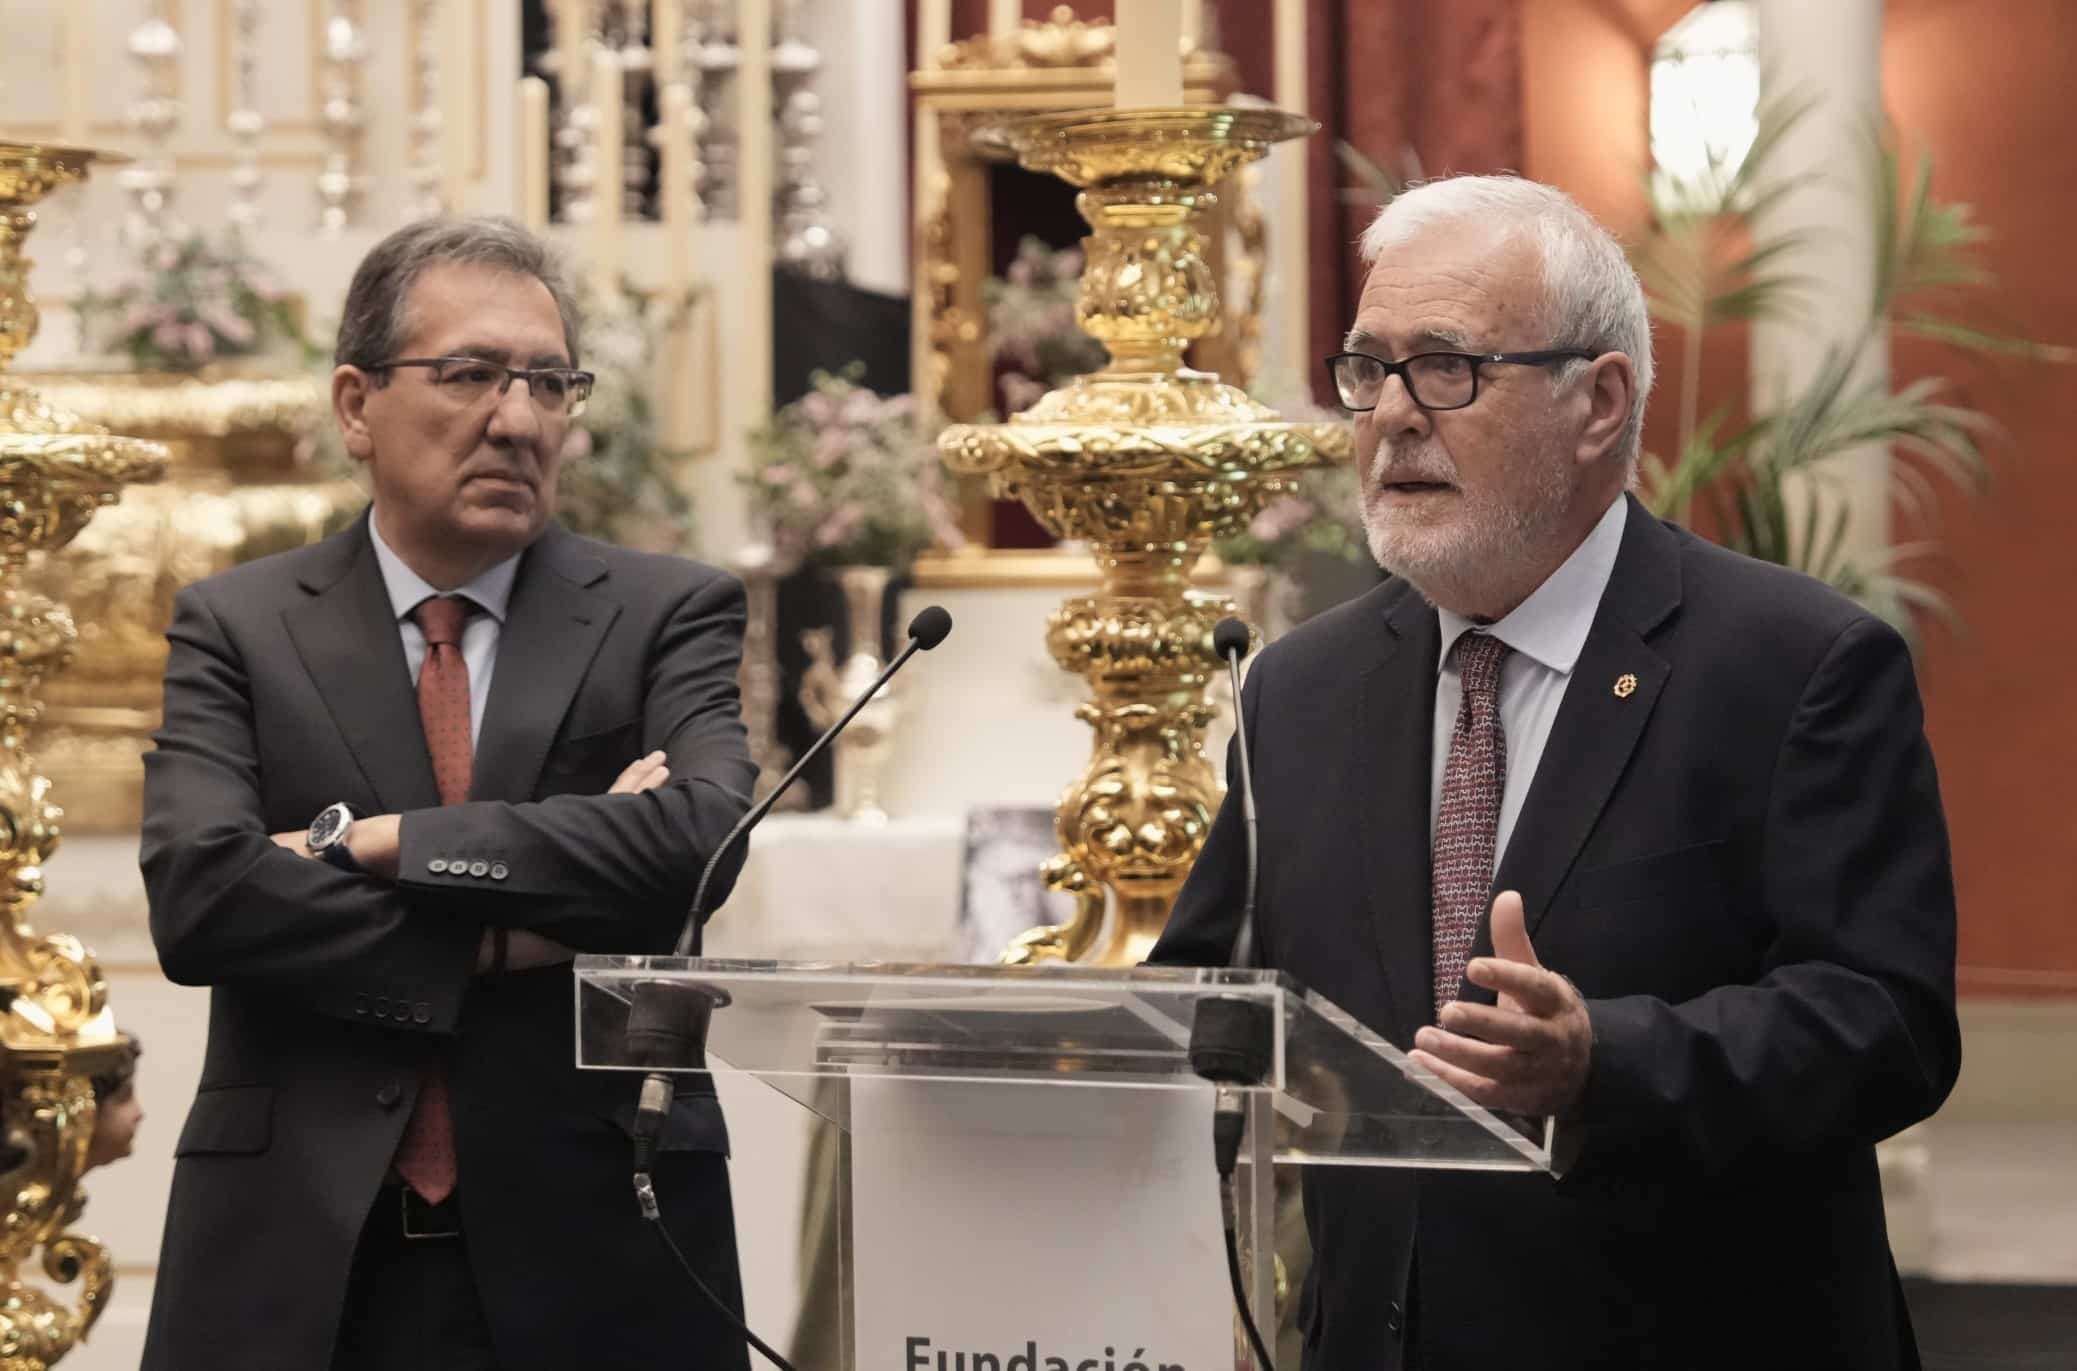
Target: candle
1005, 17
750, 331
1193, 25
569, 55
457, 101
674, 111
663, 39
607, 95
1149, 54
533, 153
78, 34
933, 30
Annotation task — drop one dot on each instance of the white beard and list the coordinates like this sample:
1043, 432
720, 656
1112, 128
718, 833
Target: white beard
1487, 546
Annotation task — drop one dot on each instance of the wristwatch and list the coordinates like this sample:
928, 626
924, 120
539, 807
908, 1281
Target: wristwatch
327, 838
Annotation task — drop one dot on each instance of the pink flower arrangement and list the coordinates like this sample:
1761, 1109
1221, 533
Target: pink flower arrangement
846, 476
193, 303
1032, 332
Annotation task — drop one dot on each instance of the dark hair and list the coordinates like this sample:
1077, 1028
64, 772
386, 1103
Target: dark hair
375, 321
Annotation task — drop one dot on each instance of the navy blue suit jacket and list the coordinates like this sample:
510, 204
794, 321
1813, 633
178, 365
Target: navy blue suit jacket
1743, 866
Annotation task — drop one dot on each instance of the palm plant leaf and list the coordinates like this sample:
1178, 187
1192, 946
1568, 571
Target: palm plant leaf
1669, 491
1925, 260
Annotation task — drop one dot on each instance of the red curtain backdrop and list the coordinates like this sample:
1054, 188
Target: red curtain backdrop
1391, 77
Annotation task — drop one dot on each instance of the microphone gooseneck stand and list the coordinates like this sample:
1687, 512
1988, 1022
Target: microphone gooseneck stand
1231, 1035
667, 1020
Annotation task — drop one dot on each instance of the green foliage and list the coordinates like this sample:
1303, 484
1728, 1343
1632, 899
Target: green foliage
1710, 260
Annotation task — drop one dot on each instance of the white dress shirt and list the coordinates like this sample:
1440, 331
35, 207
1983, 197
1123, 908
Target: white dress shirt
491, 592
1546, 631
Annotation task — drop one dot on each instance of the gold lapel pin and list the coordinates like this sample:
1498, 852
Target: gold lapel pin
1625, 686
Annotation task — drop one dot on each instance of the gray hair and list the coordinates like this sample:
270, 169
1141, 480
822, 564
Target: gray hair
376, 319
1592, 298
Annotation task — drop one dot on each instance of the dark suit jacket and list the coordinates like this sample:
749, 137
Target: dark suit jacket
287, 690
1743, 866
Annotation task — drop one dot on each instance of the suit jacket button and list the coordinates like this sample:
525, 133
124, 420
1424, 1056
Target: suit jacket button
388, 1096
479, 869
422, 1012
360, 1004
438, 866
1395, 1318
499, 871
382, 1006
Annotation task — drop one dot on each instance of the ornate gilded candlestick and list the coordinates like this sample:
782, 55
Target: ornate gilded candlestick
1148, 461
57, 1031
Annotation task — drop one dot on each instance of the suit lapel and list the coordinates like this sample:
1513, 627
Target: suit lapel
1608, 702
553, 627
346, 634
1394, 740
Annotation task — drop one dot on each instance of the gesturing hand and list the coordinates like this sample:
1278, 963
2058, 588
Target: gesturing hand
643, 773
1527, 1054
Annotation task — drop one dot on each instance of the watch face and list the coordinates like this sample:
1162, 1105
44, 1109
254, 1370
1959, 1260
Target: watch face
327, 826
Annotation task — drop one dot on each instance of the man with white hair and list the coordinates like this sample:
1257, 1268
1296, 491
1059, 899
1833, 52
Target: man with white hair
1599, 821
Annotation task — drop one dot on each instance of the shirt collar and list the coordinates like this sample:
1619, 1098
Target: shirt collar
491, 590
1551, 625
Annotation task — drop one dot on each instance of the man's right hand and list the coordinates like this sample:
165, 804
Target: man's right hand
525, 950
643, 773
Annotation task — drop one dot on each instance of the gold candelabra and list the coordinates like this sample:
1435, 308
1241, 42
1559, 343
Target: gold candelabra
1149, 461
57, 1032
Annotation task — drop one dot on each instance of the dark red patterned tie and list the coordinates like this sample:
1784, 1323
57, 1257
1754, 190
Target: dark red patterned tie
1467, 825
425, 1156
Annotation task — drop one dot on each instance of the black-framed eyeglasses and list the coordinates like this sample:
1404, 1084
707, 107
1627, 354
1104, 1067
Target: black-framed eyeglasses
467, 380
1433, 380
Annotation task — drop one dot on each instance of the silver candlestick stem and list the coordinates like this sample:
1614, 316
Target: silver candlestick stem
339, 182
155, 46
576, 122
717, 59
638, 65
807, 240
422, 174
245, 123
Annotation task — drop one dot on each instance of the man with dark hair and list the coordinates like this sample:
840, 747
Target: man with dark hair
1601, 823
403, 773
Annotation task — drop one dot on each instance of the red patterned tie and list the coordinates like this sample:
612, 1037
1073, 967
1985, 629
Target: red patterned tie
425, 1156
1467, 825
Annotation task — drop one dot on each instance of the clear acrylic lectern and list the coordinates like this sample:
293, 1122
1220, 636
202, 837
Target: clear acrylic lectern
1013, 1130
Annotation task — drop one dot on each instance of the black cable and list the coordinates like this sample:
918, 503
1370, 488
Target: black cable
1240, 1294
645, 1190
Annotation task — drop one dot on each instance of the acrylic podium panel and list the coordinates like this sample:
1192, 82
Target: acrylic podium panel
1341, 1094
1012, 1166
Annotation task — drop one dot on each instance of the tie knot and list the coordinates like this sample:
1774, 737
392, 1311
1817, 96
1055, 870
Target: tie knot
1479, 658
440, 618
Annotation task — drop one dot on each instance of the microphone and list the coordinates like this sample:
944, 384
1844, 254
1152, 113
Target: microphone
667, 1021
1230, 640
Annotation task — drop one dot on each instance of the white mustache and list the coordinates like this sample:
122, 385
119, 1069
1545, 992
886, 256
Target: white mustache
1384, 470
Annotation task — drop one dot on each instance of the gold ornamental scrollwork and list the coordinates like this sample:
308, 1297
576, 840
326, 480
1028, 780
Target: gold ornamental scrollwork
237, 491
57, 1031
1148, 461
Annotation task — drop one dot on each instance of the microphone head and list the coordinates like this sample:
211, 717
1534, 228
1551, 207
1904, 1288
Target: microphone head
1230, 638
929, 627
